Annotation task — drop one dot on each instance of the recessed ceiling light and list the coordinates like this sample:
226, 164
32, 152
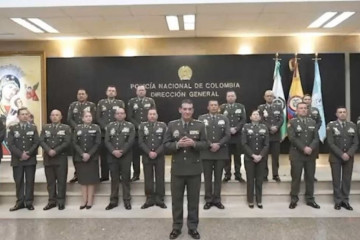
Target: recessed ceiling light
322, 19
173, 23
339, 19
189, 22
40, 23
27, 25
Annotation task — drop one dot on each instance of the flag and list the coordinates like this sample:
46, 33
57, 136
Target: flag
317, 101
279, 96
296, 92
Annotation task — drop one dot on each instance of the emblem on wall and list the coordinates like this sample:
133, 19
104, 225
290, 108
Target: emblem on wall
185, 73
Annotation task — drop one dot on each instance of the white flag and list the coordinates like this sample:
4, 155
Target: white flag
317, 101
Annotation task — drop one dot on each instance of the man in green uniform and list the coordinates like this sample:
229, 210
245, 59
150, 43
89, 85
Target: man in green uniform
313, 113
184, 139
55, 139
236, 114
137, 113
104, 115
23, 142
151, 142
342, 137
272, 116
119, 138
214, 158
74, 116
304, 139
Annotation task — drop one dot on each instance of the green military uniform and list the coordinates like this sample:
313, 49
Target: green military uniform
56, 137
186, 169
120, 136
218, 131
236, 114
23, 138
255, 140
151, 138
272, 115
302, 132
87, 139
104, 115
342, 137
74, 116
137, 113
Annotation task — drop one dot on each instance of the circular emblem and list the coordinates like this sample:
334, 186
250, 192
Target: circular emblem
293, 102
280, 101
185, 73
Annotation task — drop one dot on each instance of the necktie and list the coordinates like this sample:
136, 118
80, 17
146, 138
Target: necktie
186, 127
343, 125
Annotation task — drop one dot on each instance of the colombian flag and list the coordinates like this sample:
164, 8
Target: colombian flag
296, 92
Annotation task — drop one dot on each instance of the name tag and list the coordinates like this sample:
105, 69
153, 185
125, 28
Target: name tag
351, 130
250, 131
221, 122
276, 112
125, 130
238, 111
262, 131
147, 105
159, 130
92, 131
61, 132
30, 133
194, 132
311, 127
115, 107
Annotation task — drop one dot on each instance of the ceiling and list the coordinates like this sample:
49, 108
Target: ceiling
262, 18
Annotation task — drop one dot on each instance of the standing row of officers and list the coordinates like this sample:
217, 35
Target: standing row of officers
197, 146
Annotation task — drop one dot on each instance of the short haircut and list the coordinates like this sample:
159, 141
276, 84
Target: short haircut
230, 91
186, 101
84, 112
82, 89
110, 86
22, 109
213, 100
338, 107
306, 95
300, 103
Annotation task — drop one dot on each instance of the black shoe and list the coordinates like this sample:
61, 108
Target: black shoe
111, 206
74, 179
147, 205
292, 205
82, 207
30, 207
337, 206
161, 205
277, 178
219, 205
88, 207
127, 205
135, 178
207, 206
104, 179
61, 207
346, 206
194, 234
315, 179
251, 205
49, 206
226, 179
240, 179
17, 207
266, 179
313, 204
260, 205
174, 234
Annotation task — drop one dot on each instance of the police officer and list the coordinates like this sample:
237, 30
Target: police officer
137, 113
313, 113
23, 142
255, 142
184, 139
86, 140
119, 138
215, 156
237, 117
104, 115
272, 116
342, 137
75, 112
151, 137
304, 139
55, 139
